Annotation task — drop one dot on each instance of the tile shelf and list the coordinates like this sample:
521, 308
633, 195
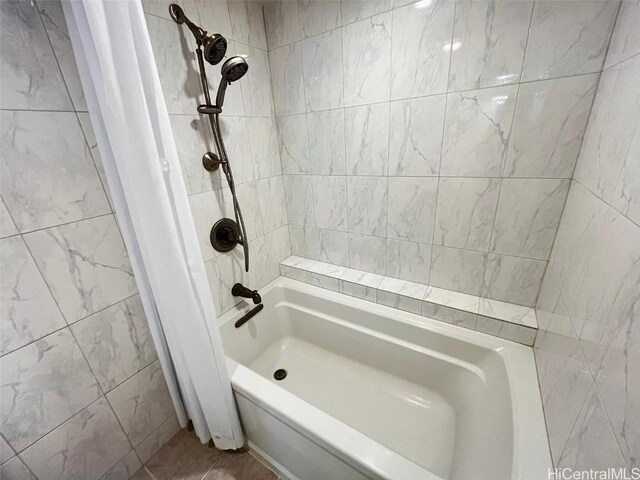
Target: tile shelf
505, 320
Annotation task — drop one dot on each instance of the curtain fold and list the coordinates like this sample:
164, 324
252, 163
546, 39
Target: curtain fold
131, 123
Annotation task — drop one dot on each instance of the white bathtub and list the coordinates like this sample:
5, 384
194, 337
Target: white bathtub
372, 392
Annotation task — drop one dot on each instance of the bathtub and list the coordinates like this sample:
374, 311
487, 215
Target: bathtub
375, 393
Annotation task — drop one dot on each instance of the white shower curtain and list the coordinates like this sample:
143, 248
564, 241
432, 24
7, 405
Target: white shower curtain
129, 116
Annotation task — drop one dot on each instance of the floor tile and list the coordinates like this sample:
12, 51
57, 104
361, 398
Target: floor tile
184, 458
239, 466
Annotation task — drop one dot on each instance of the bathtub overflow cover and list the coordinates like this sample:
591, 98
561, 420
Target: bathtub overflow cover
280, 374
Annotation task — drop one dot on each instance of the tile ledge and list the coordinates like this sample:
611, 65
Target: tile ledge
518, 316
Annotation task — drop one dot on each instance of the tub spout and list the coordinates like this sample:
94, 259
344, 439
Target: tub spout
240, 290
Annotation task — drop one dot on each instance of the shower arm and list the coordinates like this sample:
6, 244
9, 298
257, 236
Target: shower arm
214, 121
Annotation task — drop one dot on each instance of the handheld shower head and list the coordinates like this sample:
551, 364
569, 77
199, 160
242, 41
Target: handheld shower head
215, 46
233, 69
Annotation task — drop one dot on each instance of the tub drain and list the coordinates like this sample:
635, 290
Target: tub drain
280, 374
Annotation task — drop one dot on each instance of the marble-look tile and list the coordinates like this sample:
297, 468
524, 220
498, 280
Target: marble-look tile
31, 78
6, 452
184, 457
508, 312
506, 330
206, 209
548, 127
90, 136
304, 241
552, 313
42, 385
366, 56
160, 8
86, 446
160, 436
259, 273
56, 26
367, 200
527, 217
7, 227
286, 77
223, 273
576, 239
236, 138
85, 265
401, 294
294, 145
124, 469
626, 198
565, 381
449, 315
193, 139
367, 139
367, 253
322, 61
272, 203
592, 444
568, 38
330, 201
416, 137
247, 23
279, 248
299, 198
294, 273
625, 40
265, 151
15, 469
458, 270
116, 342
256, 85
466, 211
619, 388
175, 58
476, 133
412, 208
611, 127
421, 49
323, 281
48, 175
326, 142
408, 260
327, 269
333, 247
28, 311
142, 402
354, 10
360, 284
212, 15
608, 298
249, 203
512, 279
295, 261
241, 466
489, 39
319, 17
451, 299
282, 23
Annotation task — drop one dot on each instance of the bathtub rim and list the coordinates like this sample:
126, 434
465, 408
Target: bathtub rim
531, 451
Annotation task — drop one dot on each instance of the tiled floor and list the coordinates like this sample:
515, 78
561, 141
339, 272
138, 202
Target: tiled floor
185, 458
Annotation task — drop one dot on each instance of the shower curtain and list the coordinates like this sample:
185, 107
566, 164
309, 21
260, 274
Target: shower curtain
129, 116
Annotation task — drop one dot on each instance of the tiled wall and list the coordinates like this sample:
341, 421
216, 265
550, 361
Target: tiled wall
588, 346
434, 141
248, 129
81, 390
